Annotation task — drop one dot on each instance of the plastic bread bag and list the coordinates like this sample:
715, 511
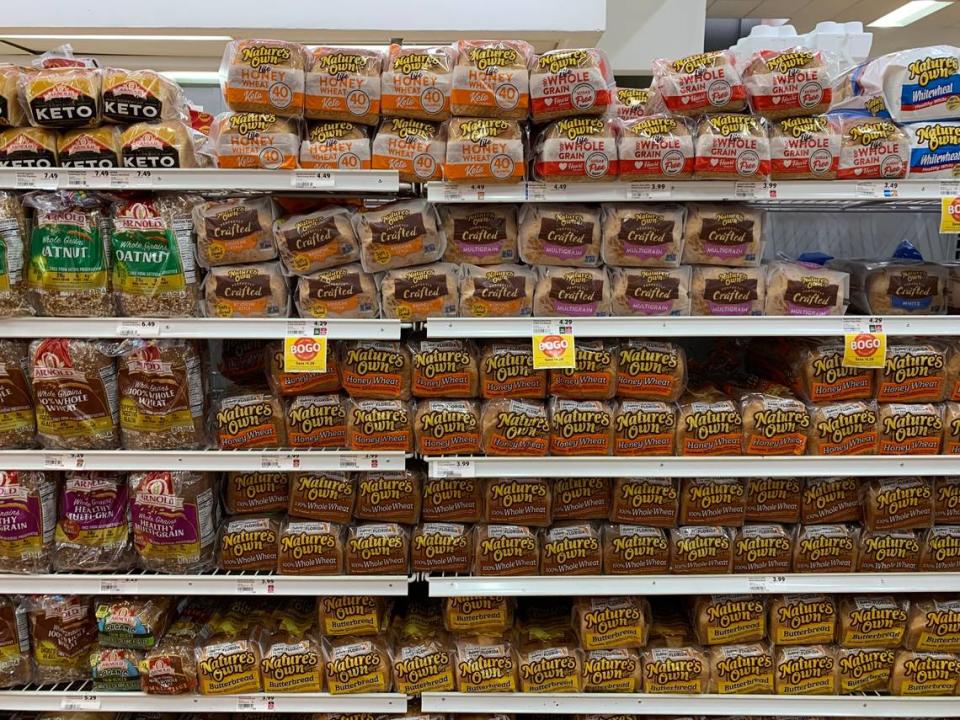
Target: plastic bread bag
377, 549
376, 369
564, 83
228, 663
631, 103
594, 376
235, 230
675, 670
789, 83
801, 288
910, 428
133, 622
316, 421
505, 550
604, 623
550, 668
651, 370
63, 632
317, 240
28, 147
651, 291
263, 76
292, 659
807, 670
163, 146
732, 147
951, 425
29, 501
389, 496
924, 674
656, 147
11, 114
934, 149
727, 291
343, 84
416, 82
492, 615
131, 96
414, 294
14, 244
248, 418
89, 148
61, 97
581, 427
805, 148
567, 235
726, 235
69, 264
572, 292
480, 234
415, 148
649, 236
14, 642
255, 140
248, 543
521, 501
399, 234
286, 383
825, 548
336, 145
93, 530
18, 422
356, 615
496, 290
485, 664
492, 79
447, 427
247, 493
703, 83
484, 150
701, 549
742, 669
376, 425
308, 547
256, 290
872, 149
577, 149
802, 619
340, 292
74, 384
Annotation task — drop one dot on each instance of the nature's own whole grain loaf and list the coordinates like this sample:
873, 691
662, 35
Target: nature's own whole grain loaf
492, 79
505, 550
704, 82
805, 148
632, 103
576, 149
655, 147
788, 83
343, 84
732, 147
565, 83
872, 149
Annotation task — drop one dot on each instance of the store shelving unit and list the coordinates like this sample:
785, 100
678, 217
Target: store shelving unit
678, 467
752, 705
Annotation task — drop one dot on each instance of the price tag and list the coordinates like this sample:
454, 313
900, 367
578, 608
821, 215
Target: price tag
536, 191
305, 353
746, 190
312, 180
78, 179
80, 702
281, 461
950, 215
770, 583
36, 179
771, 189
649, 191
554, 347
256, 703
453, 469
138, 328
891, 189
451, 192
64, 461
119, 586
256, 586
949, 188
869, 189
864, 343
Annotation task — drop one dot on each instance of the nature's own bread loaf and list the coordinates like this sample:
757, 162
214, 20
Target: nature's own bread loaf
831, 500
512, 426
643, 427
492, 79
380, 425
248, 543
255, 140
485, 664
650, 370
256, 290
898, 503
774, 422
245, 493
505, 550
924, 674
951, 428
571, 549
933, 626
480, 234
712, 501
705, 82
872, 149
802, 619
414, 294
594, 377
635, 550
416, 82
452, 500
709, 423
292, 661
565, 82
642, 236
889, 551
333, 145
848, 428
872, 621
762, 549
340, 292
727, 291
913, 372
645, 501
774, 499
807, 670
444, 369
560, 235
797, 288
376, 369
742, 669
805, 148
613, 670
414, 148
825, 548
398, 235
946, 500
377, 549
723, 235
441, 547
249, 418
631, 103
896, 287
518, 501
447, 427
357, 665
264, 76
726, 619
497, 290
941, 549
423, 662
603, 623
389, 496
910, 428
572, 292
484, 150
478, 615
701, 549
788, 83
655, 147
351, 615
675, 670
732, 147
581, 427
576, 149
317, 240
300, 383
343, 83
506, 370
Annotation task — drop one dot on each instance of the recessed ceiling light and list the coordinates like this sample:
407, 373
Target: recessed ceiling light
909, 13
162, 38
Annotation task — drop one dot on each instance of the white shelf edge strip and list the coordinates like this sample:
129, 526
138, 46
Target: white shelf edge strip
279, 585
622, 327
692, 584
198, 328
610, 703
212, 179
738, 466
770, 191
200, 460
54, 700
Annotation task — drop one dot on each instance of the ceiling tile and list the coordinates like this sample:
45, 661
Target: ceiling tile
732, 8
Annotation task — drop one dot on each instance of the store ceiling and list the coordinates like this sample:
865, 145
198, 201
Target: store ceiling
941, 27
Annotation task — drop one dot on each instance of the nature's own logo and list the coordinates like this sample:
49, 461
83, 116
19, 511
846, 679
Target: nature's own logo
257, 56
326, 132
929, 69
370, 361
847, 425
579, 127
339, 64
606, 620
803, 127
248, 123
492, 57
804, 613
440, 423
936, 136
733, 612
785, 62
693, 63
482, 129
863, 663
555, 62
422, 667
651, 127
411, 130
569, 423
640, 361
419, 62
872, 132
727, 125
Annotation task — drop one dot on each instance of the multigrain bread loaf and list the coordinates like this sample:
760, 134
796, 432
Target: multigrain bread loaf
723, 235
572, 292
727, 291
566, 235
642, 236
796, 288
480, 234
29, 500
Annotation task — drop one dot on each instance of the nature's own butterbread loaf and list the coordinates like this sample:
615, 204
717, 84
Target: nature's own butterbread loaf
413, 294
805, 148
343, 84
336, 145
914, 373
560, 235
506, 370
723, 235
712, 501
478, 615
726, 619
416, 82
933, 626
398, 235
423, 661
889, 551
292, 662
346, 615
389, 496
492, 79
257, 290
797, 288
571, 549
581, 427
635, 550
655, 147
380, 425
484, 150
480, 234
264, 76
831, 500
872, 621
675, 670
518, 501
774, 499
572, 292
358, 665
762, 549
414, 148
645, 501
505, 550
848, 428
375, 369
447, 427
377, 549
924, 674
807, 670
788, 83
248, 543
255, 140
61, 97
732, 147
485, 664
642, 236
444, 369
497, 290
643, 427
910, 428
317, 240
701, 549
825, 548
613, 670
564, 83
802, 619
248, 419
340, 292
742, 669
872, 149
651, 370
709, 423
603, 623
576, 149
705, 82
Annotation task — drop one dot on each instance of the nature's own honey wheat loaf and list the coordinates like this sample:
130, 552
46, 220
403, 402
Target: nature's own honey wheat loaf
343, 84
581, 427
514, 427
650, 370
375, 369
316, 421
447, 427
709, 423
380, 425
644, 428
249, 419
444, 369
492, 79
264, 76
506, 370
848, 428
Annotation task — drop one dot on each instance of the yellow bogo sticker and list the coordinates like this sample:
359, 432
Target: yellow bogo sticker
865, 349
950, 215
305, 354
554, 351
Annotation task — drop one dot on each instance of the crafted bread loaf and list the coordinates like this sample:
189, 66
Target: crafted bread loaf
480, 234
497, 290
399, 235
236, 230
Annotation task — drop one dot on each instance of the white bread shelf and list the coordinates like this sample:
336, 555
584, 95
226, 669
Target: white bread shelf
214, 583
638, 704
200, 179
202, 460
571, 586
198, 328
80, 696
674, 327
696, 190
679, 467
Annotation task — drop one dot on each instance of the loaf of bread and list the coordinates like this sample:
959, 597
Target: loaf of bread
478, 615
351, 615
248, 543
480, 234
441, 547
316, 421
723, 235
317, 240
651, 370
506, 371
565, 83
742, 669
656, 147
940, 550
492, 79
631, 103
64, 96
872, 149
416, 149
505, 550
924, 674
417, 293
805, 148
645, 501
422, 660
307, 547
727, 291
256, 290
235, 230
577, 149
581, 427
807, 670
651, 292
946, 498
63, 632
762, 549
16, 635
264, 76
28, 147
497, 290
798, 288
802, 619
635, 550
485, 664
447, 427
914, 373
593, 378
377, 549
93, 524
160, 146
484, 150
712, 501
898, 503
933, 626
830, 500
292, 661
709, 423
705, 82
788, 83
612, 671
643, 427
847, 428
604, 623
825, 549
649, 236
774, 422
416, 82
378, 425
11, 113
29, 500
896, 287
341, 292
518, 501
815, 371
253, 140
89, 148
444, 369
565, 235
452, 500
677, 671
889, 551
17, 415
572, 292
357, 665
774, 500
336, 145
376, 369
389, 496
328, 496
872, 621
247, 419
581, 498
399, 235
514, 427
732, 147
343, 84
701, 549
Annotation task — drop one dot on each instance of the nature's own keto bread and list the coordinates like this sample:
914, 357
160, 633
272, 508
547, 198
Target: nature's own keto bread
415, 148
255, 140
492, 79
336, 145
416, 82
342, 84
264, 76
483, 150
